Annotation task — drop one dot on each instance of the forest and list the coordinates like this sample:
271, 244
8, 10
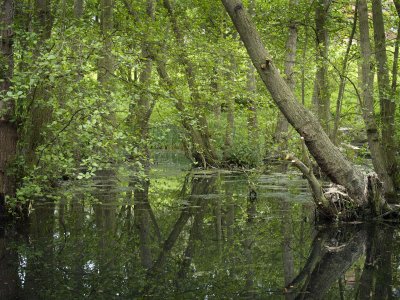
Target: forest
71, 103
114, 112
90, 84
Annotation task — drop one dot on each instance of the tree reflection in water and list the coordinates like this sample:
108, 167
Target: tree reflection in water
193, 237
335, 250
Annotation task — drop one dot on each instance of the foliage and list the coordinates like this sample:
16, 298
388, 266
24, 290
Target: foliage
87, 124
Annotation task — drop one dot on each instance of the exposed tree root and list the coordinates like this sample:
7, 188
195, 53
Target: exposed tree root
335, 204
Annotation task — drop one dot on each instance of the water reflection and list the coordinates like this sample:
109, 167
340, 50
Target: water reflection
193, 236
337, 255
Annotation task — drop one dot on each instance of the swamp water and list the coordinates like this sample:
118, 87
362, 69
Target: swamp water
197, 235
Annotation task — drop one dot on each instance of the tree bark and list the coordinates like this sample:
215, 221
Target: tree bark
321, 95
282, 126
343, 72
367, 79
395, 66
106, 62
44, 20
40, 112
327, 155
386, 98
8, 129
78, 9
141, 111
252, 118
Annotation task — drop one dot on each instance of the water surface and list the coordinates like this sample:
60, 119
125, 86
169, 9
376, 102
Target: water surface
193, 235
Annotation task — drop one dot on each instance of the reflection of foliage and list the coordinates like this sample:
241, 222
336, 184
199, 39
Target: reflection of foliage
74, 254
215, 242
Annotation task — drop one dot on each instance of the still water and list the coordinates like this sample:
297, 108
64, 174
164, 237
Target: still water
194, 235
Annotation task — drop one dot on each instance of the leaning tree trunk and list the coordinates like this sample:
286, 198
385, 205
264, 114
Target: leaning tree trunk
328, 156
8, 129
360, 188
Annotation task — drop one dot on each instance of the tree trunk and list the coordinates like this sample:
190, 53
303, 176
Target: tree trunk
395, 66
282, 126
343, 73
321, 96
77, 44
199, 149
208, 156
386, 98
141, 111
230, 125
44, 19
40, 112
78, 9
230, 113
106, 64
327, 155
215, 89
367, 79
252, 122
8, 129
139, 117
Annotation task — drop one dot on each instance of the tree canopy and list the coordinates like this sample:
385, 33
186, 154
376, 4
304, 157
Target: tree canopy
87, 85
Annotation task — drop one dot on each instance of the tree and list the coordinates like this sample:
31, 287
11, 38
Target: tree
282, 125
40, 111
367, 78
252, 117
361, 188
8, 128
321, 96
106, 62
343, 72
202, 150
386, 97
